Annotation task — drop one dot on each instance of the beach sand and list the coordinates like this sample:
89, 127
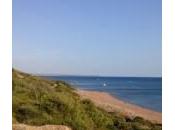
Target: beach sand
112, 104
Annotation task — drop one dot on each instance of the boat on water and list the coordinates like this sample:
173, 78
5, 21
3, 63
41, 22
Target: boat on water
104, 84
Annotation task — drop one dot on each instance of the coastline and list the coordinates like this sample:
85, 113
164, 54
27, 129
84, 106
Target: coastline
112, 104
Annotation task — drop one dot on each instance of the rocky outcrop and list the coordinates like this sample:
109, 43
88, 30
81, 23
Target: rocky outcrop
45, 127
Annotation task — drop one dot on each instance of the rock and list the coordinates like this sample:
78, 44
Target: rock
45, 127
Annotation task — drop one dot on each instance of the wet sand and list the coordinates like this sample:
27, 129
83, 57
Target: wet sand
112, 104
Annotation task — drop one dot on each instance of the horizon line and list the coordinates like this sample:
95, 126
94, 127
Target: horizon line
79, 75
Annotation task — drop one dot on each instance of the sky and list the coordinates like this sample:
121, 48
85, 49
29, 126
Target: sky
88, 37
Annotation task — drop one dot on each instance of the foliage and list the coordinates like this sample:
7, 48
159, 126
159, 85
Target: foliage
37, 101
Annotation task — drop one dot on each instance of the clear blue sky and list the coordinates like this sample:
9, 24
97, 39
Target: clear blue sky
88, 37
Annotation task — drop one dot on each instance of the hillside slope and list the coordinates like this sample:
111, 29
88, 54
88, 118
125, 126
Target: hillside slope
37, 102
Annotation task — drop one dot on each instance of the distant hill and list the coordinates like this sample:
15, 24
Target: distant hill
38, 101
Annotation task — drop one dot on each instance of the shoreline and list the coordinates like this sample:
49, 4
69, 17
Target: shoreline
113, 104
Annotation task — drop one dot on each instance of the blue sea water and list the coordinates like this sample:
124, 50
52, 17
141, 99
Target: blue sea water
142, 91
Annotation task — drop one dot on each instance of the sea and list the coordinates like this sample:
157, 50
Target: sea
143, 91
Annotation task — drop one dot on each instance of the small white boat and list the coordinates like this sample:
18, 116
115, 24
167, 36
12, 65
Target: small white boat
104, 84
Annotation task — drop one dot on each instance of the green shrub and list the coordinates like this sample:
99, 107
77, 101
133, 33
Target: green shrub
139, 126
37, 101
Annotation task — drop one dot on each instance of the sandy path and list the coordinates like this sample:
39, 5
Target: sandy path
111, 104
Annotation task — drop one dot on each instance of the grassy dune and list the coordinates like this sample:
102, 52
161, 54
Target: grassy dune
37, 102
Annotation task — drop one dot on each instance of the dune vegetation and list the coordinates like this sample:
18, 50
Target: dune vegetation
37, 101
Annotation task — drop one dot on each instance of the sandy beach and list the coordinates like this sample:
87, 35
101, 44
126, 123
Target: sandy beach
112, 104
